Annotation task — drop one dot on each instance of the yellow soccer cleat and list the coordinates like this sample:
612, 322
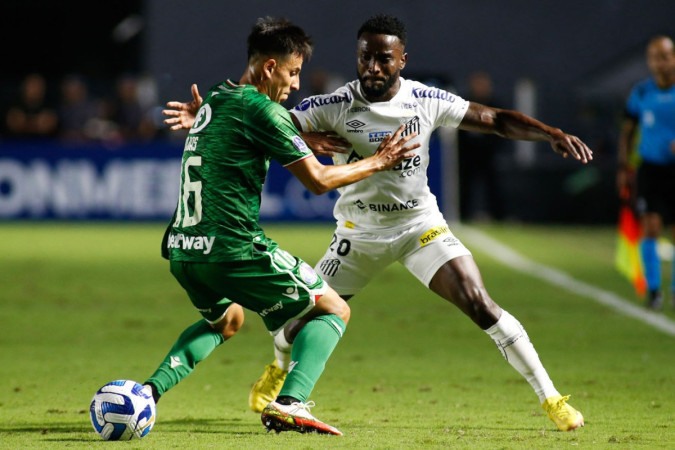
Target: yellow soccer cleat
565, 417
266, 389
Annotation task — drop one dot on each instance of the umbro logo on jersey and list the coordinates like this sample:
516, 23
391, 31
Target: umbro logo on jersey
355, 126
175, 362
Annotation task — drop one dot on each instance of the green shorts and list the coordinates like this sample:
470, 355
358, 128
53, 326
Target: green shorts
276, 285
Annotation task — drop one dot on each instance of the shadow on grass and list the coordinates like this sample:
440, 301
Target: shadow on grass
234, 427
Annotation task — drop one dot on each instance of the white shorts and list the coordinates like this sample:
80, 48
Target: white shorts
354, 257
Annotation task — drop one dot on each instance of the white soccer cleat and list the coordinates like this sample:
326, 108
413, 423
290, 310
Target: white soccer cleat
294, 417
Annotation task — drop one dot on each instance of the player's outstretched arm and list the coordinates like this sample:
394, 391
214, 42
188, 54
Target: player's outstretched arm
320, 179
322, 143
325, 143
181, 115
512, 124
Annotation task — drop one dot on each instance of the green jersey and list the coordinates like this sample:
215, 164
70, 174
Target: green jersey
227, 152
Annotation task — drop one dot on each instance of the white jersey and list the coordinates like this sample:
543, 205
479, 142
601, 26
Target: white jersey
395, 198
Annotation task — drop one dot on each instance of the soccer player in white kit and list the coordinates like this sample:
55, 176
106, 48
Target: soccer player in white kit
393, 216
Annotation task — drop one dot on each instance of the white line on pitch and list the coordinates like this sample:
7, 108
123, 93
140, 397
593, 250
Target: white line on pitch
514, 260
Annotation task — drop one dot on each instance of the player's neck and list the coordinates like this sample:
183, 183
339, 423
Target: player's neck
665, 81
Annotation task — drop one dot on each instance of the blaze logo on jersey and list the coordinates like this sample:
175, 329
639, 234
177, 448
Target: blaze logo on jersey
433, 233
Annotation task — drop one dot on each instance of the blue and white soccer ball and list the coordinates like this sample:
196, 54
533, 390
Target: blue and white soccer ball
122, 410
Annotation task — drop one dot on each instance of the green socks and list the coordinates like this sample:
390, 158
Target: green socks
311, 349
194, 345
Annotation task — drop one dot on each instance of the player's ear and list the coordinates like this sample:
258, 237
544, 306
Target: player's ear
403, 62
268, 67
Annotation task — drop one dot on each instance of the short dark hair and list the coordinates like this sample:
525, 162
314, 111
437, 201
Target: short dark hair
278, 36
384, 24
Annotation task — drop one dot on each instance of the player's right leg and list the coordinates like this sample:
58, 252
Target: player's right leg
318, 333
651, 182
351, 260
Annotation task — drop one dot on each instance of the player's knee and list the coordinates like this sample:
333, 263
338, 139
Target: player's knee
332, 303
232, 322
482, 308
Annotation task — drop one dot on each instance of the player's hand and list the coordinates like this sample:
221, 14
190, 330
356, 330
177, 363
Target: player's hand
393, 149
326, 143
568, 145
180, 115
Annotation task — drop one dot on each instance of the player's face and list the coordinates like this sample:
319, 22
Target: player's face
284, 78
380, 58
661, 58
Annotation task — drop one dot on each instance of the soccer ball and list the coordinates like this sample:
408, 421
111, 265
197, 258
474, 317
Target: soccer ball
122, 410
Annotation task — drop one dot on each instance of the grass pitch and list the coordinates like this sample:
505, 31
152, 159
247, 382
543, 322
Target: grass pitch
83, 304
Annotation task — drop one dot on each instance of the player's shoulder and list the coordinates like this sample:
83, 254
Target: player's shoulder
644, 87
341, 97
424, 92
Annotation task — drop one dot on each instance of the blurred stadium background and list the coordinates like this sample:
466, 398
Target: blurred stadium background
570, 65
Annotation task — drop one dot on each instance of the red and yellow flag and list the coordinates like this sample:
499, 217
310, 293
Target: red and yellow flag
627, 259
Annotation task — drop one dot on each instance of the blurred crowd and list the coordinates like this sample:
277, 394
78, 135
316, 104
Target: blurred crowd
72, 112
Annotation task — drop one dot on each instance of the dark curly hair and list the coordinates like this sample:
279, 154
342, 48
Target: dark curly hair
384, 24
278, 36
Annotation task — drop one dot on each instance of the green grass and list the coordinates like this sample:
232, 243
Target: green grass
81, 305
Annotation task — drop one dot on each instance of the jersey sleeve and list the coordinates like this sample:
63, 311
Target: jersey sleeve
272, 129
451, 109
445, 108
319, 112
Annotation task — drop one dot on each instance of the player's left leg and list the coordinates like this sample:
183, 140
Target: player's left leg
440, 261
194, 345
459, 281
652, 226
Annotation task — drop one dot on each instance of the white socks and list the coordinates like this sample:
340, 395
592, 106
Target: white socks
515, 345
282, 350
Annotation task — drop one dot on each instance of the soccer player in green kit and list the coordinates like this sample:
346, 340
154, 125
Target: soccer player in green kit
217, 250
